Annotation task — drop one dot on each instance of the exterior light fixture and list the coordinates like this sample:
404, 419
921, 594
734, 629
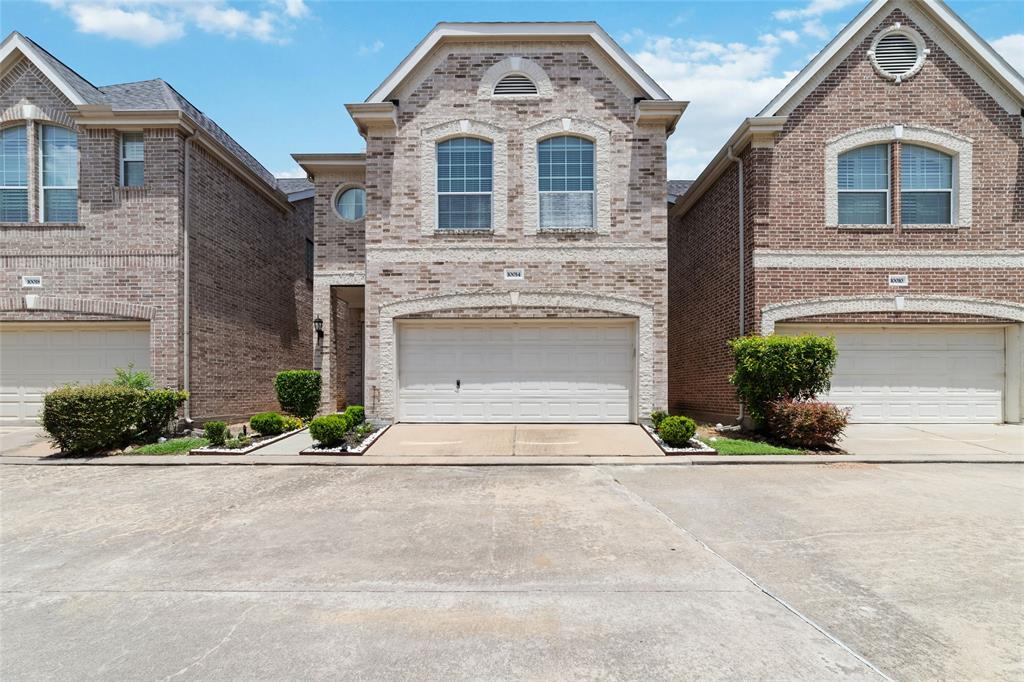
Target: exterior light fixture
318, 325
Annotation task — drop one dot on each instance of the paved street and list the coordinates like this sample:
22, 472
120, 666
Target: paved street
752, 572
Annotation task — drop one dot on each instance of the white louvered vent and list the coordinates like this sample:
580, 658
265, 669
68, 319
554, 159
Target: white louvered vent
896, 54
515, 84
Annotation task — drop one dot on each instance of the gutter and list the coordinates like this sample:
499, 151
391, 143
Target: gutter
740, 221
187, 312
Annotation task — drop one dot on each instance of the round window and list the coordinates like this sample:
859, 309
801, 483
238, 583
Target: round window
351, 204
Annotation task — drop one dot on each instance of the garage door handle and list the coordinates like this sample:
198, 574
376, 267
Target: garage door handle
458, 384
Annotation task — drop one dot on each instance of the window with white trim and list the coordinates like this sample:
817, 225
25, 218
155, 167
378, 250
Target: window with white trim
926, 186
14, 174
58, 163
351, 203
464, 184
565, 177
864, 186
132, 159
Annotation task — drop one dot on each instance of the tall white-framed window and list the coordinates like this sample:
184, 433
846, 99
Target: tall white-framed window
565, 182
132, 159
14, 174
58, 173
864, 186
465, 167
926, 186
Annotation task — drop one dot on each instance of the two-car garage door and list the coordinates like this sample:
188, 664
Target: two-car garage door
917, 374
516, 371
37, 357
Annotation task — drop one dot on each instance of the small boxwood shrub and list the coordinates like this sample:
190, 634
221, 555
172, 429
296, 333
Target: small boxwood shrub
159, 407
656, 418
677, 431
356, 414
298, 391
268, 423
806, 423
772, 367
291, 423
82, 420
216, 432
330, 430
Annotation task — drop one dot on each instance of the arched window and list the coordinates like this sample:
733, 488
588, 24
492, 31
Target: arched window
864, 186
58, 159
464, 184
351, 204
565, 173
926, 186
515, 84
14, 174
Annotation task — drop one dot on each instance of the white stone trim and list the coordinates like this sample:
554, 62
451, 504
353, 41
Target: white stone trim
958, 146
456, 253
764, 258
603, 181
339, 190
388, 351
515, 65
16, 42
838, 305
429, 139
915, 37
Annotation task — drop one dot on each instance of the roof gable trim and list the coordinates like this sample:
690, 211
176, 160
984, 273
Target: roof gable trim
16, 44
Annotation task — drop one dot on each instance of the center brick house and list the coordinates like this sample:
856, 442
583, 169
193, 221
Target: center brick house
499, 251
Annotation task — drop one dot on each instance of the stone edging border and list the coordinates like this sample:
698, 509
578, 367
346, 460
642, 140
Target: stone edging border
363, 447
207, 451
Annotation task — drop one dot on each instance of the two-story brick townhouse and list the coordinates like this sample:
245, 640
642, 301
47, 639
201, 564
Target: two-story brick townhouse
135, 230
499, 251
878, 198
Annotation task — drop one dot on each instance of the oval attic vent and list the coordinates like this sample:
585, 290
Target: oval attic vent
896, 54
515, 84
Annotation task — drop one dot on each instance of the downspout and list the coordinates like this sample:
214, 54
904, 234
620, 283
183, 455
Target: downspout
739, 183
186, 322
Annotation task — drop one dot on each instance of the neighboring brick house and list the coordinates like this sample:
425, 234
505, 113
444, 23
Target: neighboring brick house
499, 251
882, 202
135, 230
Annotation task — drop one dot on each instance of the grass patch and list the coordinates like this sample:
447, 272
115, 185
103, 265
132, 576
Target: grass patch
739, 446
173, 446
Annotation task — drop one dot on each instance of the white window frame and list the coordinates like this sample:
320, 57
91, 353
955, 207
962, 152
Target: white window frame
438, 193
28, 174
592, 192
124, 160
952, 183
337, 197
42, 187
888, 186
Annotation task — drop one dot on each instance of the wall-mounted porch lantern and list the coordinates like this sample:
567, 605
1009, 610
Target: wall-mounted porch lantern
318, 325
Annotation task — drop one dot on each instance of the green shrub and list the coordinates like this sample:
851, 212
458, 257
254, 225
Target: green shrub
240, 441
83, 420
268, 423
291, 423
772, 367
677, 431
356, 414
330, 430
216, 432
806, 423
656, 418
159, 407
298, 391
132, 379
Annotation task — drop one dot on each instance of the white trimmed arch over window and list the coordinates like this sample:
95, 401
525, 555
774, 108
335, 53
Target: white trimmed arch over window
515, 77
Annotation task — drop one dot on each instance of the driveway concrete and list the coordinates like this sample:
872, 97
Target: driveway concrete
515, 440
510, 572
24, 441
934, 439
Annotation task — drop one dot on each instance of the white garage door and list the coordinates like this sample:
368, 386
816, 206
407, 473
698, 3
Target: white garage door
38, 357
504, 371
917, 374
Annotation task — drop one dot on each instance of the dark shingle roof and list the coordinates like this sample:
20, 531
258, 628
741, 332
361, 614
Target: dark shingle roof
677, 188
154, 94
293, 185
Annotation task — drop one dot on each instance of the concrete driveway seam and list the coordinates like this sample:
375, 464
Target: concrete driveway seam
644, 502
940, 437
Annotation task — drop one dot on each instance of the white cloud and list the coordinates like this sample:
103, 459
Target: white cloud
725, 83
1011, 48
151, 22
814, 8
815, 29
293, 172
374, 48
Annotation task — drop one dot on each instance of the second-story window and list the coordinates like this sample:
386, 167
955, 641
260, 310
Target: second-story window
864, 186
926, 186
566, 182
132, 160
351, 204
58, 154
464, 184
14, 174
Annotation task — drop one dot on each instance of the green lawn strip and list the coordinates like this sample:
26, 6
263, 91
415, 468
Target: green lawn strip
739, 446
174, 446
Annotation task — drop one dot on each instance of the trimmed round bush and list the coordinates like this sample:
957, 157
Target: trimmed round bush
356, 414
268, 423
330, 430
215, 432
159, 407
677, 431
83, 420
298, 391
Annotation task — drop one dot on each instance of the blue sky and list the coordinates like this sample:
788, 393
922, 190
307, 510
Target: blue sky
277, 73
